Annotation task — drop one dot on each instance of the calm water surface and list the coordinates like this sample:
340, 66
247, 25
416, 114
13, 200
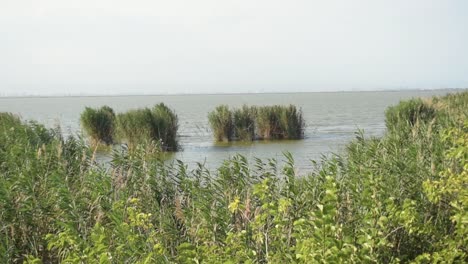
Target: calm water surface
331, 120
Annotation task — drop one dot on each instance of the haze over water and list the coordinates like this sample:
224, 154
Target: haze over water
331, 120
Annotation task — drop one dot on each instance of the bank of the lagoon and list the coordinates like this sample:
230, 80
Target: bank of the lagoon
399, 198
331, 119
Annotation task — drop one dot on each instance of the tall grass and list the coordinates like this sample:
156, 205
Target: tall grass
244, 123
166, 124
221, 123
408, 114
158, 125
280, 122
136, 127
394, 199
99, 124
250, 123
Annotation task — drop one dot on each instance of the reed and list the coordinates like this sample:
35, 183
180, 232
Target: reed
158, 125
136, 127
250, 123
166, 126
279, 122
393, 199
99, 124
409, 113
221, 123
244, 123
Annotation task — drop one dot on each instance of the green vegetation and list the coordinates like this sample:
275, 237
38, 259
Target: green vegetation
249, 123
402, 198
280, 122
221, 123
408, 113
99, 124
166, 126
244, 123
141, 126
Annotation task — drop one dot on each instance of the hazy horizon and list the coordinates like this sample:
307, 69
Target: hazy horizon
116, 47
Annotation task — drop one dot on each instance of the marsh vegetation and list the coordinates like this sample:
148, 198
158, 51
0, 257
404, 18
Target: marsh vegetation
401, 198
257, 122
157, 126
99, 124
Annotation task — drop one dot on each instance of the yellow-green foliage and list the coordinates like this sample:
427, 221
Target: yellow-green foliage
401, 198
99, 124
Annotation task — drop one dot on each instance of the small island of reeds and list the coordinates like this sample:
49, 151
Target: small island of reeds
157, 125
256, 123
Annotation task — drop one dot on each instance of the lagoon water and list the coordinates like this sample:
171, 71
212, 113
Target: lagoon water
332, 119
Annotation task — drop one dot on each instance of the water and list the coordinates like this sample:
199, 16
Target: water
331, 120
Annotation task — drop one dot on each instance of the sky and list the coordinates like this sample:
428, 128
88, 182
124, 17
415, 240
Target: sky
85, 47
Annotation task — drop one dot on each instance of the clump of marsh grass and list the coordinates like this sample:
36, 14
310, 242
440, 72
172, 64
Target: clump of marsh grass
221, 123
141, 126
291, 122
268, 125
249, 123
409, 113
136, 126
279, 122
99, 124
166, 125
244, 123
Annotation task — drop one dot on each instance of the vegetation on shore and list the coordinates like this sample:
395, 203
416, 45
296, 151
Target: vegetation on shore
257, 122
402, 198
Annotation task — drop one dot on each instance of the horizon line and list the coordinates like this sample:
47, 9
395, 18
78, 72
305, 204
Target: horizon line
227, 93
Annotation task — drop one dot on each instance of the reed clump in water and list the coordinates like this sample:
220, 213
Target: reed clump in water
158, 125
166, 126
221, 123
280, 122
244, 123
257, 122
99, 124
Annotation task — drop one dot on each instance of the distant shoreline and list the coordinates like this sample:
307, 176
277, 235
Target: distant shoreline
211, 94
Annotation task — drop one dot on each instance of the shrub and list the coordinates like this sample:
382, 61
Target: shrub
221, 123
99, 124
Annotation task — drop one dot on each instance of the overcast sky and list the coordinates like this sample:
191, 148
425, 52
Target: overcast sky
223, 46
